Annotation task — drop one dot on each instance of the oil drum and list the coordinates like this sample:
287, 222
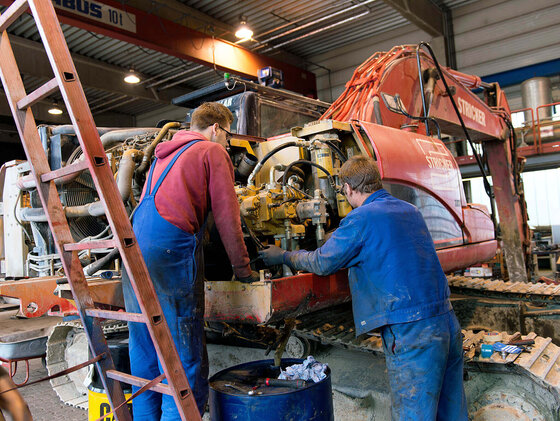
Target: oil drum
240, 393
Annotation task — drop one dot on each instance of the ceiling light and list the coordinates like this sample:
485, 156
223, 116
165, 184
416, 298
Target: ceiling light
243, 31
55, 109
131, 77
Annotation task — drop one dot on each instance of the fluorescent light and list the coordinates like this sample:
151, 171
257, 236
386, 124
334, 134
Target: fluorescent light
243, 31
131, 77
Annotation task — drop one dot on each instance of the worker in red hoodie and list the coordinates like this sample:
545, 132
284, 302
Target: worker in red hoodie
191, 176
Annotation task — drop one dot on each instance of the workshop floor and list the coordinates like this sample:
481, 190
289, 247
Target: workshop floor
41, 398
46, 406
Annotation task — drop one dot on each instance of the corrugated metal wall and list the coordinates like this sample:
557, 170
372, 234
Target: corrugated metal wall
491, 36
494, 36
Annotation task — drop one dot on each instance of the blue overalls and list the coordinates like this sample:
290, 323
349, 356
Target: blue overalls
398, 285
172, 257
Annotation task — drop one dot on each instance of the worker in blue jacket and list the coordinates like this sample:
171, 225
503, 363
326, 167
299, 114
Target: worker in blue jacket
397, 285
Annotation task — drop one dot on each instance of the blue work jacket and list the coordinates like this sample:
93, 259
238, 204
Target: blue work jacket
393, 269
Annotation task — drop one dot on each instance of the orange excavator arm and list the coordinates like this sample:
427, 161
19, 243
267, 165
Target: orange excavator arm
406, 89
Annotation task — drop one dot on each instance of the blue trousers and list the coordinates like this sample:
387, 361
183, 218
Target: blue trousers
425, 368
174, 260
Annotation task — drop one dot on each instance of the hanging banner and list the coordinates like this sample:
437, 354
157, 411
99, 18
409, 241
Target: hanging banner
99, 12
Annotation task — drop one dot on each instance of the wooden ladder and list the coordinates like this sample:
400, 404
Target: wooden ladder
67, 81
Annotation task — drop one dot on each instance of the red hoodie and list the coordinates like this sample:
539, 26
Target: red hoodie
201, 180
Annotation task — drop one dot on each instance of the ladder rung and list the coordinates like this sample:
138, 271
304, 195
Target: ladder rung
13, 12
116, 315
64, 171
137, 381
38, 94
88, 245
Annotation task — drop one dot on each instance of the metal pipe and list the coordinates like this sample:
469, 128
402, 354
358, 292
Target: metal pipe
340, 12
169, 85
38, 214
350, 19
126, 171
469, 81
112, 101
69, 129
112, 107
175, 76
114, 136
148, 152
108, 138
293, 22
273, 169
28, 182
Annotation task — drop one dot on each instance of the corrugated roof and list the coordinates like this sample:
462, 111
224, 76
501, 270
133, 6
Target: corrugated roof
302, 28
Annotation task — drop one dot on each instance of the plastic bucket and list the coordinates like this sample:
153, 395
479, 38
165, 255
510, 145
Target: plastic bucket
229, 403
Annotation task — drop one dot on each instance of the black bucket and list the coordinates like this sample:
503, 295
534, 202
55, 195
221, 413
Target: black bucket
227, 403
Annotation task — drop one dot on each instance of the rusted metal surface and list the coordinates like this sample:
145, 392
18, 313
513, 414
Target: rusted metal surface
511, 208
106, 292
37, 296
273, 300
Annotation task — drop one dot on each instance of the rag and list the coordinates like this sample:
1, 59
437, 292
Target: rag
310, 369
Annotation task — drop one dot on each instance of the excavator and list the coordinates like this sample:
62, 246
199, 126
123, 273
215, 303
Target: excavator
401, 108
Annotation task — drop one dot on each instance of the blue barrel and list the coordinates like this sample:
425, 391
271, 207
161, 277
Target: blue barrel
229, 403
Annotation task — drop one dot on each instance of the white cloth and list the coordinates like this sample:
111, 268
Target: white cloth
310, 369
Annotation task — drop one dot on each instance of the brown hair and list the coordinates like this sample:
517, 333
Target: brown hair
361, 174
209, 113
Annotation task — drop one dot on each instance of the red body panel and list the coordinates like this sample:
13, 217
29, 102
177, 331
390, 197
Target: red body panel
420, 161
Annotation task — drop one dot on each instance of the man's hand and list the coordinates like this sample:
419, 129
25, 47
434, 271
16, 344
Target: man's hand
272, 255
253, 277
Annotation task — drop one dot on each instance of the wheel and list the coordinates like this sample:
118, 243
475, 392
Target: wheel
298, 347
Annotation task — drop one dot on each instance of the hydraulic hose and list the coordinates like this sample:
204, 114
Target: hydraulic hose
336, 150
100, 263
487, 186
266, 158
305, 161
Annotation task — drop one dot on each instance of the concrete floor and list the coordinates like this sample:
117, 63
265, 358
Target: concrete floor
42, 400
46, 406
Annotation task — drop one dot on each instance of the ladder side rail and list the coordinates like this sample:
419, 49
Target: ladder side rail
48, 193
86, 131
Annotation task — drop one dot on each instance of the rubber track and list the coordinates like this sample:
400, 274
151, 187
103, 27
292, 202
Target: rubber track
538, 292
539, 362
56, 360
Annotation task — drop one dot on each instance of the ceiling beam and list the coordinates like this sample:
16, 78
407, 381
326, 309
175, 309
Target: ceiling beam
168, 37
33, 61
41, 114
179, 12
422, 13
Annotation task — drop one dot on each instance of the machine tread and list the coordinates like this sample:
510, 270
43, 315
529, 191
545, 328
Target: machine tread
538, 292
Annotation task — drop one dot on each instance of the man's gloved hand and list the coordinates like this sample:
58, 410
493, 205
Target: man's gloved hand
272, 255
254, 277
